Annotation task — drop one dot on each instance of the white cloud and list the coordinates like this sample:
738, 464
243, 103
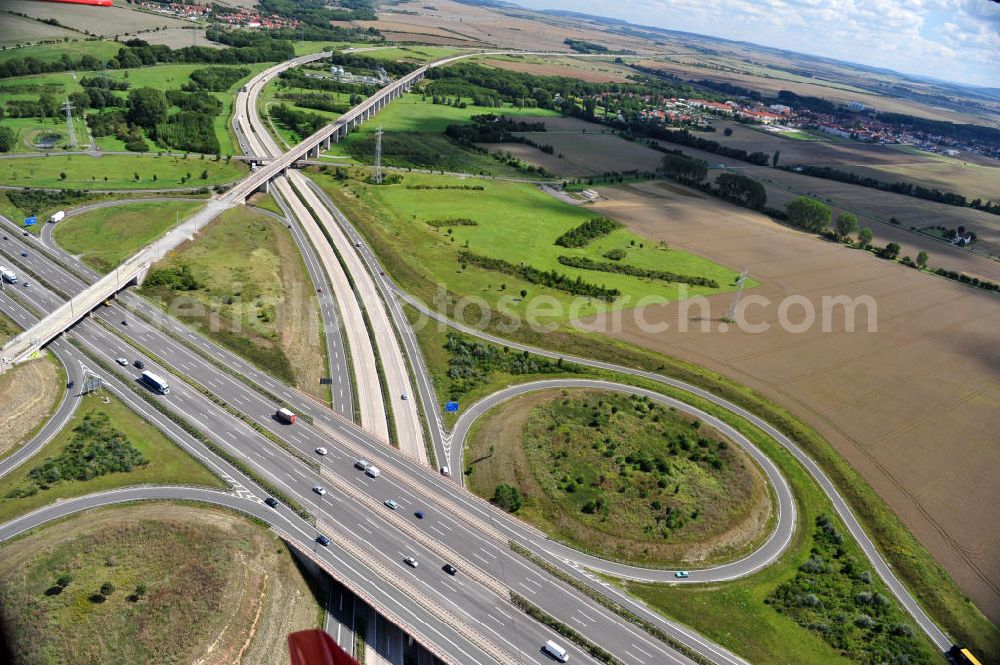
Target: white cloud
957, 39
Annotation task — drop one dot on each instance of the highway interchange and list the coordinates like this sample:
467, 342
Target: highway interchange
465, 619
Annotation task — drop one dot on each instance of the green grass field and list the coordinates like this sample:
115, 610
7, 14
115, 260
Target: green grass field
118, 172
107, 236
517, 223
168, 464
99, 48
252, 292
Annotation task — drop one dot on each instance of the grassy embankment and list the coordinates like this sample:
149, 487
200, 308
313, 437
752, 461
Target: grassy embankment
23, 491
249, 291
752, 628
187, 583
621, 477
924, 576
105, 237
510, 221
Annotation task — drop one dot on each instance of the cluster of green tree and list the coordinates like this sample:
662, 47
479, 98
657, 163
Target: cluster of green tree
188, 130
177, 278
904, 188
816, 104
808, 213
302, 123
356, 63
464, 188
508, 498
293, 78
315, 101
966, 279
490, 128
196, 102
215, 79
453, 221
611, 177
584, 234
96, 449
469, 80
471, 363
581, 46
616, 254
585, 263
8, 138
114, 122
34, 201
741, 190
320, 12
549, 278
688, 170
837, 597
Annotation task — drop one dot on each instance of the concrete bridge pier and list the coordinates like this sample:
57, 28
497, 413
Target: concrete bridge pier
314, 152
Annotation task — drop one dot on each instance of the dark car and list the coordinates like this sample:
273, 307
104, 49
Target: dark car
140, 365
322, 540
450, 569
419, 514
271, 501
24, 253
71, 384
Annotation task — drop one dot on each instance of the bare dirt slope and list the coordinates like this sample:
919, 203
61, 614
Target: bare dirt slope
913, 406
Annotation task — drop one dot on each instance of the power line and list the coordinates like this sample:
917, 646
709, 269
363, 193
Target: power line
740, 283
70, 132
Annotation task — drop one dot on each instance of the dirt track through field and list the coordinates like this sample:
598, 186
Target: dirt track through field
913, 406
28, 393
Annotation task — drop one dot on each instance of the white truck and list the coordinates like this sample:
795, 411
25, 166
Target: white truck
8, 275
58, 216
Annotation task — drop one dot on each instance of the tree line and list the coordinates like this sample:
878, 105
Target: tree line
585, 263
550, 278
584, 234
900, 187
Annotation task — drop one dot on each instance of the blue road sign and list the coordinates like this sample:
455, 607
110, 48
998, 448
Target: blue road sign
451, 407
30, 221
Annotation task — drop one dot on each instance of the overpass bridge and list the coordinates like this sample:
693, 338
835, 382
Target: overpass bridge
134, 270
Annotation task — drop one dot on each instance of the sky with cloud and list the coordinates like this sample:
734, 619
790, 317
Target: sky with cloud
954, 40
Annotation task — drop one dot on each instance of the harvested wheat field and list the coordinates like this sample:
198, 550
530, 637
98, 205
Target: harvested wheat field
100, 21
913, 406
215, 588
591, 70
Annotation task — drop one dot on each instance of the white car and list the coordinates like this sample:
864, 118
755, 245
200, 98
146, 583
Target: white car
391, 504
445, 471
372, 472
319, 489
410, 561
403, 396
321, 451
122, 361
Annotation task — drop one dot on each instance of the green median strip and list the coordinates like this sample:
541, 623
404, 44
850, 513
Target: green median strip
197, 434
540, 615
615, 607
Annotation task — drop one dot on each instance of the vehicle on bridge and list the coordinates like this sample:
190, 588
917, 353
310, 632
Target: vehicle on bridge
156, 383
285, 416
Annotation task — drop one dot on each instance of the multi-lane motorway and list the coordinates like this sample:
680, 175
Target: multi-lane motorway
468, 618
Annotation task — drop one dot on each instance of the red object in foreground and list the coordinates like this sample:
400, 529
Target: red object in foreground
314, 647
97, 3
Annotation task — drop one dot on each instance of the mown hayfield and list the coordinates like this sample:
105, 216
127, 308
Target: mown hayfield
17, 30
621, 477
515, 222
188, 583
99, 48
100, 21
